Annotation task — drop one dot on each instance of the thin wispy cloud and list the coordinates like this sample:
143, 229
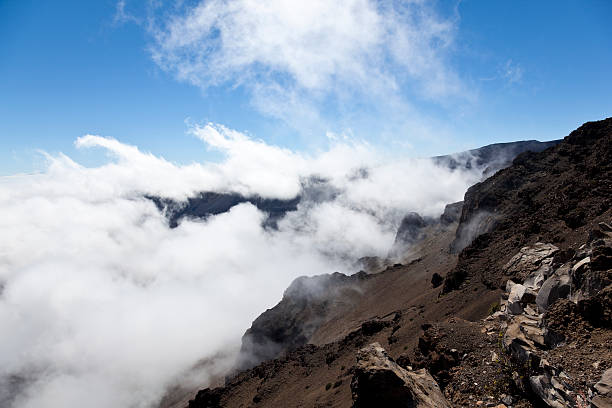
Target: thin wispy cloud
512, 72
122, 16
293, 57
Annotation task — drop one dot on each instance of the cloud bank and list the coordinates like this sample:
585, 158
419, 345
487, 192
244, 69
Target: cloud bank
102, 303
301, 60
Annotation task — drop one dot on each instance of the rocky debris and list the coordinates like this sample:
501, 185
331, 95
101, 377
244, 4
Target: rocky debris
380, 381
602, 258
603, 398
529, 319
552, 388
433, 355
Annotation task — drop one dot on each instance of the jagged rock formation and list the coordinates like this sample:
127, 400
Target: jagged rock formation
378, 381
452, 213
527, 332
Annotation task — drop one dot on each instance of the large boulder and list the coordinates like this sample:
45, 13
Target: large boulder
556, 287
518, 297
531, 260
378, 381
603, 399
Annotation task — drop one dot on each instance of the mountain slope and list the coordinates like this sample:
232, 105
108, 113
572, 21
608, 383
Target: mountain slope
559, 195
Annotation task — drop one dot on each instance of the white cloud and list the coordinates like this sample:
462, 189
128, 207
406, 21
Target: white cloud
292, 55
122, 16
100, 298
512, 72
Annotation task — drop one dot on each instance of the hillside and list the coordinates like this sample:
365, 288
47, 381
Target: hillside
522, 317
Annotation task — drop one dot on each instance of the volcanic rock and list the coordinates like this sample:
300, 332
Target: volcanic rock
555, 287
436, 280
603, 399
378, 381
531, 260
519, 296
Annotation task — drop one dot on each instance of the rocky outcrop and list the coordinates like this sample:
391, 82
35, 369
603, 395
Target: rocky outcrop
411, 229
557, 286
306, 304
452, 213
527, 329
531, 264
378, 381
519, 296
552, 389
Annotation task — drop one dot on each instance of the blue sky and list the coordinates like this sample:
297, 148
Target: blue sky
469, 73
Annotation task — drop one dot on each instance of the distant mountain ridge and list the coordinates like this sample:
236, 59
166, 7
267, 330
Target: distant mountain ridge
491, 158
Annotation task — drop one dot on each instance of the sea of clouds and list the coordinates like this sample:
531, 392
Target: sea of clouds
101, 303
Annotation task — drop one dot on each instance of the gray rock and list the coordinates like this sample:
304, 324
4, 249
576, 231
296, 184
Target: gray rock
536, 279
556, 287
605, 227
378, 381
551, 389
603, 399
529, 259
516, 340
519, 296
581, 264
